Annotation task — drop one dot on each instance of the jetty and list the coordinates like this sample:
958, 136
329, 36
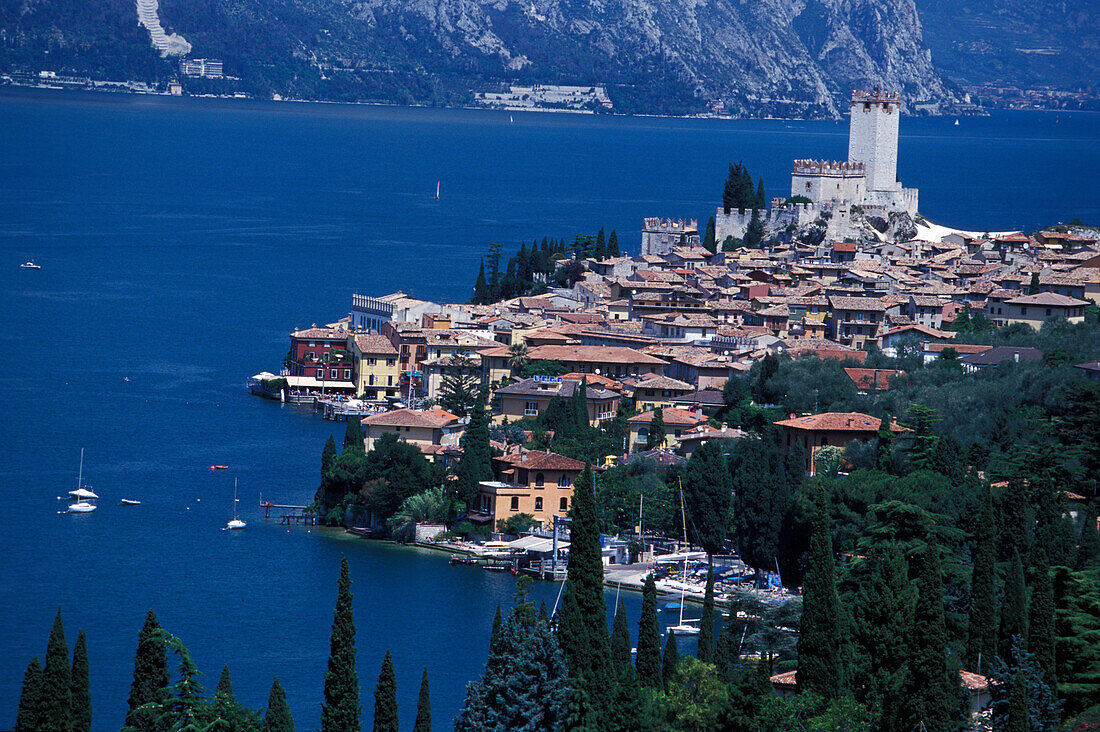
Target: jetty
295, 516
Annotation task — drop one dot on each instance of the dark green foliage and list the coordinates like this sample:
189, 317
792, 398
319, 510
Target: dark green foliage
708, 493
1077, 637
525, 683
582, 629
458, 390
1040, 636
151, 676
476, 464
1033, 285
613, 244
340, 711
819, 641
57, 694
708, 237
648, 660
761, 201
385, 698
423, 706
705, 652
353, 437
982, 628
481, 289
493, 282
1013, 609
30, 698
494, 636
670, 660
738, 192
1018, 717
81, 689
764, 481
1088, 545
931, 691
328, 455
755, 231
1021, 698
600, 252
655, 437
620, 644
277, 718
224, 689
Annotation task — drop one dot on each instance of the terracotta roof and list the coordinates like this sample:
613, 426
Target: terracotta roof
994, 356
329, 333
838, 422
1051, 299
592, 354
788, 679
856, 303
670, 415
434, 418
972, 681
663, 382
959, 348
872, 378
374, 343
536, 460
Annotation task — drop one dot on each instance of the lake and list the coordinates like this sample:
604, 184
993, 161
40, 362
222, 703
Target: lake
182, 239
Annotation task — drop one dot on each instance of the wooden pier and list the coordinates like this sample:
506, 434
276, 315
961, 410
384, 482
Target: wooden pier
297, 516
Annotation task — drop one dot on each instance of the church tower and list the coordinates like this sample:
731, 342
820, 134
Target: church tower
873, 138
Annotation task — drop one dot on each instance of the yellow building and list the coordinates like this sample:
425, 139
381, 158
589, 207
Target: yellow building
376, 370
658, 391
536, 483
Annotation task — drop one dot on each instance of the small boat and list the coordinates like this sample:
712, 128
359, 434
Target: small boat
83, 497
30, 265
682, 629
130, 502
437, 190
219, 467
956, 123
235, 522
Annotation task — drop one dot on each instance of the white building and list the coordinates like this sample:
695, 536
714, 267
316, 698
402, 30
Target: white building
868, 178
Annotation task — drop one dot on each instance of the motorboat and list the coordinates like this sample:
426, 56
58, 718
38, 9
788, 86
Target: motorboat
219, 467
130, 502
30, 265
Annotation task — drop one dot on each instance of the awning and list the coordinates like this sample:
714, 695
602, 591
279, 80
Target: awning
537, 544
311, 382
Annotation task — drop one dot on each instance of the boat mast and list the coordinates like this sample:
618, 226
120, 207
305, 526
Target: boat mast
683, 586
80, 474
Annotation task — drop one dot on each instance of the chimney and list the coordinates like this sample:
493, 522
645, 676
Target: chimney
724, 426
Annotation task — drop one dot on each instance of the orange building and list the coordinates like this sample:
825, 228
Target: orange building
837, 429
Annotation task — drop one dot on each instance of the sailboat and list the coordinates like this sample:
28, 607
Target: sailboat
82, 497
235, 522
437, 190
684, 627
956, 123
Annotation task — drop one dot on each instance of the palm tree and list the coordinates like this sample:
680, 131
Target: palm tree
432, 506
518, 356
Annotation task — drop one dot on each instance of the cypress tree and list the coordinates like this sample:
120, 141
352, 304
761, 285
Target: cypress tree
1040, 637
981, 640
705, 652
708, 492
885, 448
341, 711
648, 662
476, 464
81, 689
582, 630
578, 410
277, 718
1033, 285
1018, 712
620, 643
481, 289
30, 698
656, 435
755, 231
1013, 610
761, 202
423, 706
708, 237
151, 676
353, 436
385, 698
601, 247
819, 639
931, 695
494, 636
57, 683
613, 244
1088, 546
224, 689
328, 454
670, 661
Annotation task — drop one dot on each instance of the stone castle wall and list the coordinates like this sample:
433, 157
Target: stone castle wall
873, 138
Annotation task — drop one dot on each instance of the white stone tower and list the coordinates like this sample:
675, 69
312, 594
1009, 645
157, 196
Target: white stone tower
873, 139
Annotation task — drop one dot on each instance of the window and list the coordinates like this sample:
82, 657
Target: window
538, 503
531, 409
347, 373
563, 481
515, 503
334, 373
540, 480
313, 344
1023, 311
564, 503
389, 361
1048, 312
371, 361
389, 381
370, 380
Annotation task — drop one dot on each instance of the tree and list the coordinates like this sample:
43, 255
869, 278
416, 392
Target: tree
582, 629
151, 676
981, 643
761, 201
1088, 546
278, 718
764, 481
385, 698
1040, 637
494, 635
433, 506
755, 231
708, 237
423, 706
340, 711
1033, 286
476, 464
458, 390
328, 455
481, 288
600, 252
353, 437
655, 437
30, 698
613, 244
1013, 609
620, 643
819, 639
57, 684
518, 356
494, 280
224, 689
670, 661
81, 686
648, 661
708, 492
516, 524
705, 652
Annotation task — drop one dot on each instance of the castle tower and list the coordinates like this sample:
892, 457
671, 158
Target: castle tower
873, 138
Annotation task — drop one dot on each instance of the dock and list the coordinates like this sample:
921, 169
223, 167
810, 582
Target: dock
296, 516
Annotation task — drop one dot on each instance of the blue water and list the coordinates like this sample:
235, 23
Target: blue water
181, 240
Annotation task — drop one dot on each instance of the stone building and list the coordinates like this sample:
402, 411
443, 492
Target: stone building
660, 236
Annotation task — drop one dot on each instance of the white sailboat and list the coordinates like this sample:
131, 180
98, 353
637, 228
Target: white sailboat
437, 190
82, 497
684, 627
235, 522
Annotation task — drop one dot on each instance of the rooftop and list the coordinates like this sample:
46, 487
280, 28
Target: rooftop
838, 422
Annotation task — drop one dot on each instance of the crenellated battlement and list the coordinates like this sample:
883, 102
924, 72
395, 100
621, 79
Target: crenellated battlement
832, 168
671, 226
875, 97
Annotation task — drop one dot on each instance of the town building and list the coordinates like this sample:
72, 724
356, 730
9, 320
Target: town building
829, 429
539, 484
375, 365
531, 397
677, 422
319, 361
420, 427
661, 236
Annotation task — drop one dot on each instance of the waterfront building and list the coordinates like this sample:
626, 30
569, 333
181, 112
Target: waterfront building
527, 481
531, 397
318, 360
375, 370
420, 427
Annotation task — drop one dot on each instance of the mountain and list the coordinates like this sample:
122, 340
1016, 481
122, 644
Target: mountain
759, 57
